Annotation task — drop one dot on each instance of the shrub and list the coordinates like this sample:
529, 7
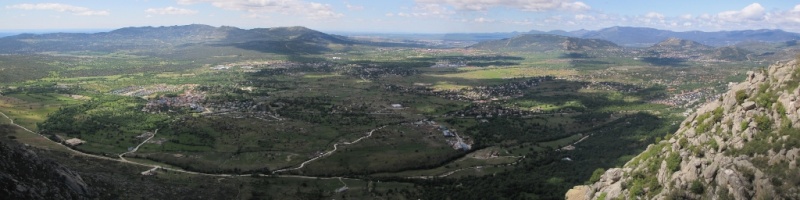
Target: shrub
596, 175
674, 162
683, 142
697, 187
602, 196
763, 123
741, 95
712, 143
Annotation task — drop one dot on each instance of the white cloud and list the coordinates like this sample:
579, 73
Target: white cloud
654, 15
75, 10
753, 12
584, 17
526, 5
288, 7
170, 11
575, 6
428, 10
482, 20
519, 22
354, 7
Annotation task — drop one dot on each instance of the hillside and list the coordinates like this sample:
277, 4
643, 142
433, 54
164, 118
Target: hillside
745, 145
639, 36
731, 53
273, 40
544, 42
26, 175
681, 44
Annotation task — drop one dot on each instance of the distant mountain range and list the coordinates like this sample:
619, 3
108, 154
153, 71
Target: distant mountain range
637, 36
288, 40
301, 40
544, 42
628, 36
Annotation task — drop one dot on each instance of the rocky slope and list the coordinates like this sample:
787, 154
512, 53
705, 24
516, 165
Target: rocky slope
745, 145
26, 175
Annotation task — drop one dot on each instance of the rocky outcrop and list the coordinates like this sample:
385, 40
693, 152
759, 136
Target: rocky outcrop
25, 175
745, 145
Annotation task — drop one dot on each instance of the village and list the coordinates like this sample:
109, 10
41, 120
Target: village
451, 136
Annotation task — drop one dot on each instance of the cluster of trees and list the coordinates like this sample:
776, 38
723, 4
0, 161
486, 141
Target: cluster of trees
544, 175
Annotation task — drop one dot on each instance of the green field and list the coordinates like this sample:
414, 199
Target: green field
269, 112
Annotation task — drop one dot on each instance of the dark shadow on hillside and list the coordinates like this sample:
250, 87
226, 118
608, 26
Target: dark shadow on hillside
658, 61
470, 58
492, 63
589, 64
282, 47
574, 55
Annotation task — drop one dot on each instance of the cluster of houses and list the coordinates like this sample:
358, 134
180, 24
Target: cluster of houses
612, 86
448, 64
454, 139
188, 100
141, 91
451, 136
687, 99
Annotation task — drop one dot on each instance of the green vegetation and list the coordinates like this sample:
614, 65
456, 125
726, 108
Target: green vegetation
741, 95
596, 175
697, 187
765, 98
536, 122
673, 162
704, 125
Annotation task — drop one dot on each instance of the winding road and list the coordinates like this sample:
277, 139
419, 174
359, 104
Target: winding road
335, 148
123, 160
303, 164
137, 146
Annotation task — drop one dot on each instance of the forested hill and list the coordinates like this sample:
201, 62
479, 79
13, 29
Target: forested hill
544, 42
745, 145
279, 40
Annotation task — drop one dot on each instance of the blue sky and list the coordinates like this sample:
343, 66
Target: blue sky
404, 16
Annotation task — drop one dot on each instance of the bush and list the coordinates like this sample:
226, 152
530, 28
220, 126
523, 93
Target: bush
712, 143
596, 175
697, 187
674, 162
602, 196
683, 142
763, 123
741, 95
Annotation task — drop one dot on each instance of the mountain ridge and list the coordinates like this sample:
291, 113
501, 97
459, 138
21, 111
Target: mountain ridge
276, 39
544, 42
744, 145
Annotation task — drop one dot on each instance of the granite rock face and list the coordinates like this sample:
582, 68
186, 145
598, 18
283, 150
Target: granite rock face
25, 175
745, 145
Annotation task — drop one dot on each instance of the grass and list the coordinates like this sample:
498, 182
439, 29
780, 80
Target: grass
29, 109
562, 142
467, 163
394, 148
505, 72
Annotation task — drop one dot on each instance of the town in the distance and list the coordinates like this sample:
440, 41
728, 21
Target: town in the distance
221, 112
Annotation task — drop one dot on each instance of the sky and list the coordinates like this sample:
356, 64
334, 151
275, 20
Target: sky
404, 16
